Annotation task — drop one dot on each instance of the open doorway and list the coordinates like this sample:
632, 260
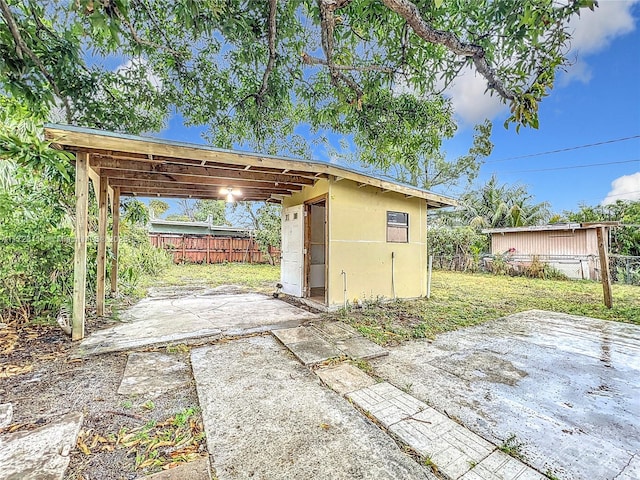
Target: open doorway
316, 250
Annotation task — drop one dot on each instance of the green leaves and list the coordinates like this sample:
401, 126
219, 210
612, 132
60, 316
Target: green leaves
378, 84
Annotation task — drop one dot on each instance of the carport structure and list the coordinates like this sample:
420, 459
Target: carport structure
120, 165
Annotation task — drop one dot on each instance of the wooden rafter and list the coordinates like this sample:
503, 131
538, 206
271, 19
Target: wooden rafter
161, 161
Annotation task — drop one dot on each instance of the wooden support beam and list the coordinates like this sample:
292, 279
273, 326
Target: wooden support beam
115, 240
200, 171
80, 249
205, 193
110, 197
101, 260
123, 179
605, 274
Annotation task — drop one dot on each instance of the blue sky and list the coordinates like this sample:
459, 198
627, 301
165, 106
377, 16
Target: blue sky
596, 100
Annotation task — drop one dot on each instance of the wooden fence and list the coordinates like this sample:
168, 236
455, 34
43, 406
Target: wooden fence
211, 249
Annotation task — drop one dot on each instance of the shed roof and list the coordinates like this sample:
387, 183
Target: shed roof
145, 166
554, 227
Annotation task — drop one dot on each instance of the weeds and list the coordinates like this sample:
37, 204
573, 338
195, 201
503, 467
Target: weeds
180, 348
463, 299
511, 446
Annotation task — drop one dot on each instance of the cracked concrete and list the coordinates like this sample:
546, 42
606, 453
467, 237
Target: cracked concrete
267, 416
179, 316
566, 386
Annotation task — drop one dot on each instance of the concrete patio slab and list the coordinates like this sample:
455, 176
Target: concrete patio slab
207, 313
151, 374
335, 330
450, 447
344, 378
40, 454
295, 335
387, 403
359, 348
196, 470
267, 416
6, 414
325, 340
567, 387
307, 346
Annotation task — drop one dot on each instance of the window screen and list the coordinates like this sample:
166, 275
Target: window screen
397, 227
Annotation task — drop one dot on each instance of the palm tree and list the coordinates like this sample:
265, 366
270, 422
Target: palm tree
497, 206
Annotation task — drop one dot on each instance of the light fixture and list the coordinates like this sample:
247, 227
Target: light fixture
230, 194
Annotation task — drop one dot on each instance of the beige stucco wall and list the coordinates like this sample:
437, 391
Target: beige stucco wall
358, 244
357, 231
307, 193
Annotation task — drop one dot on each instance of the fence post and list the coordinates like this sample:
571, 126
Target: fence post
605, 275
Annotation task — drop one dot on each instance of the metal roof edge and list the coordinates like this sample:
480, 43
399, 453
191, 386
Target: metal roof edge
547, 228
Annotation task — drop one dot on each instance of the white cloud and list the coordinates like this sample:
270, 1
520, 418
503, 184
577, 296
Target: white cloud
580, 71
141, 64
592, 32
469, 99
626, 187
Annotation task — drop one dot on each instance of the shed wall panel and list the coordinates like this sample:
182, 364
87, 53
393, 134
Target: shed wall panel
557, 242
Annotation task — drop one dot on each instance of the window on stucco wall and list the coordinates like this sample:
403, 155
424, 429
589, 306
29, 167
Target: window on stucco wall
397, 227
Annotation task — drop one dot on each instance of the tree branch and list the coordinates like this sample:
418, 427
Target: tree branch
273, 8
22, 48
309, 60
327, 27
411, 14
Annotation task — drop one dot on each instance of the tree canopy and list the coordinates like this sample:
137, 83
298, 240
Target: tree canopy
262, 73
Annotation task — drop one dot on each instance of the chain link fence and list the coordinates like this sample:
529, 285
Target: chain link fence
624, 269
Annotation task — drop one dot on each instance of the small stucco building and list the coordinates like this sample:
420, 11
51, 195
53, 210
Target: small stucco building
346, 241
345, 234
572, 248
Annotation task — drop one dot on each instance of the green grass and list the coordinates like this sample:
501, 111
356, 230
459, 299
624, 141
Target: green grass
463, 299
258, 277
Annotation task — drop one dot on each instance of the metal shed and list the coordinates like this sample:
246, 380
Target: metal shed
572, 248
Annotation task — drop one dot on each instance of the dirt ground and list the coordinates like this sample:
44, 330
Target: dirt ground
123, 437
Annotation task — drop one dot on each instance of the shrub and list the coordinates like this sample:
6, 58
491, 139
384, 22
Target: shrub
456, 248
36, 251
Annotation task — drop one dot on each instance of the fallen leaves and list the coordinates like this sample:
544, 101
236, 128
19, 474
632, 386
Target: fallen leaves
7, 371
96, 441
166, 444
8, 340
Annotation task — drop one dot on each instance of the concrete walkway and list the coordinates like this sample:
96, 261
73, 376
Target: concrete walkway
172, 316
322, 341
268, 417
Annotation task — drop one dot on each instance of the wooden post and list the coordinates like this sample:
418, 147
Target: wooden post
183, 249
101, 260
230, 254
208, 248
605, 275
115, 240
80, 251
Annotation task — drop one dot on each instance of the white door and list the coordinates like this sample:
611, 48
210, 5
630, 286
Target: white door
292, 256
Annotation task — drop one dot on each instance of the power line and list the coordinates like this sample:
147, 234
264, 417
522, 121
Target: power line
616, 140
622, 194
570, 167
